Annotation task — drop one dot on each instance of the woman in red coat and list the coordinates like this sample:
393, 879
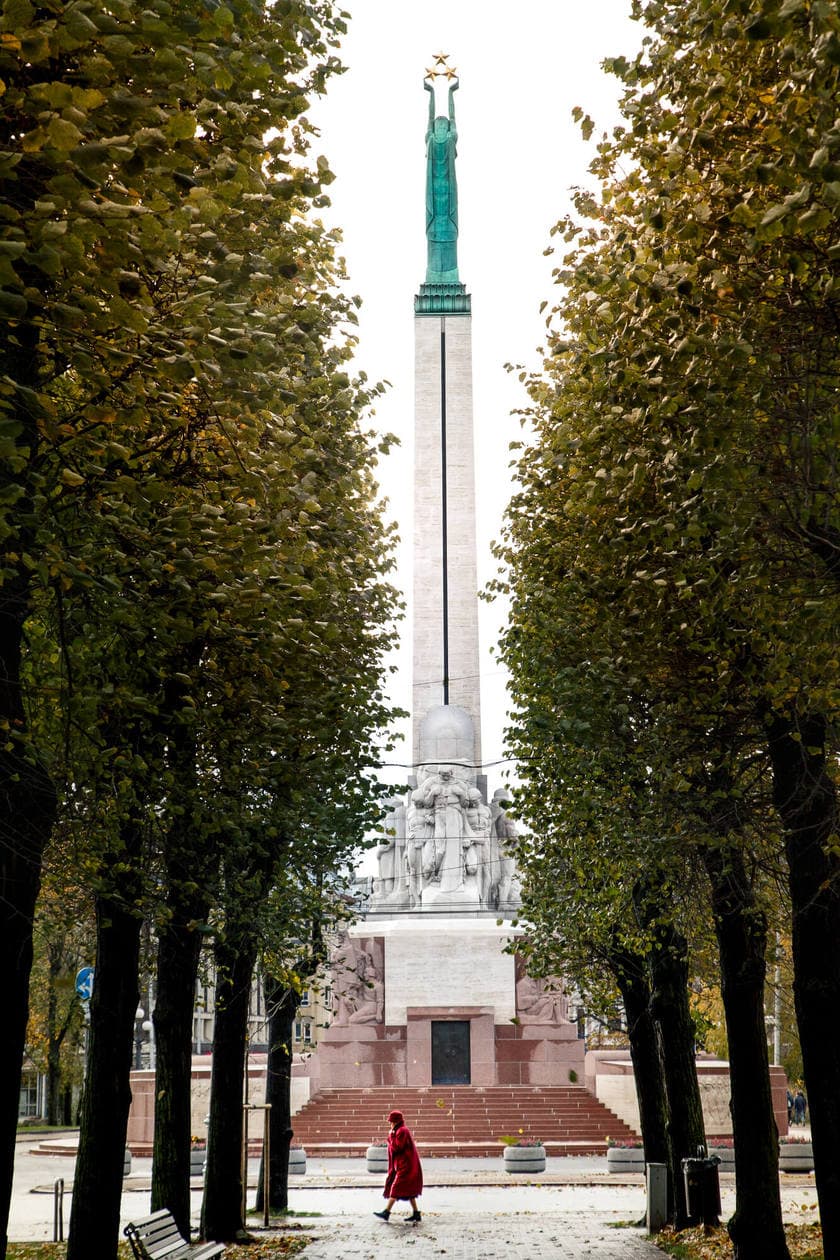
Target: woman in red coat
405, 1175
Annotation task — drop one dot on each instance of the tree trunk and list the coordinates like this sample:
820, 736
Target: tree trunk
669, 983
281, 1002
806, 799
53, 1043
27, 815
756, 1229
631, 976
221, 1212
54, 1082
56, 1033
179, 947
97, 1189
189, 859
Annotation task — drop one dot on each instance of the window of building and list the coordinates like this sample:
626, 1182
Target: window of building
304, 998
28, 1105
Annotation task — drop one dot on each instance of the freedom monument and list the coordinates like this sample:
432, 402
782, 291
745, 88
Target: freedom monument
426, 993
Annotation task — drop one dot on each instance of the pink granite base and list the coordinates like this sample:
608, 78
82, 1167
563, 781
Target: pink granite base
361, 1056
537, 1054
375, 1055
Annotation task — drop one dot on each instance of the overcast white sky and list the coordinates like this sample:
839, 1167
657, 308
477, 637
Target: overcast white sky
522, 68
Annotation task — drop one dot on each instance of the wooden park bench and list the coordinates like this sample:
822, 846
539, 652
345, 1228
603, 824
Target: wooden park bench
156, 1237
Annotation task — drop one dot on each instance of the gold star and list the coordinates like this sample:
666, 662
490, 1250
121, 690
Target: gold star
450, 73
431, 74
440, 57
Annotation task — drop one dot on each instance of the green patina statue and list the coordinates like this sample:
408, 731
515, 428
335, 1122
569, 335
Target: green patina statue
442, 292
441, 192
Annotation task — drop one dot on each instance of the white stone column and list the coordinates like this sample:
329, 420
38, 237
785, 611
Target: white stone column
443, 394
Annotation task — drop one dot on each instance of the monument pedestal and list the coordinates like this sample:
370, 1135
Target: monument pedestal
450, 994
445, 961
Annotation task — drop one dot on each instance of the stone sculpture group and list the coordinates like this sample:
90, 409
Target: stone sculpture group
443, 845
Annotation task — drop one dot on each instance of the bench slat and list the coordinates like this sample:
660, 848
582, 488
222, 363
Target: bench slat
159, 1234
169, 1248
157, 1237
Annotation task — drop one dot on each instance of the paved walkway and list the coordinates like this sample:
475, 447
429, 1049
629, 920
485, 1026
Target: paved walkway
472, 1209
497, 1234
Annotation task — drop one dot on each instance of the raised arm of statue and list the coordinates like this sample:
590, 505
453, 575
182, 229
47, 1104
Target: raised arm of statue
453, 87
430, 88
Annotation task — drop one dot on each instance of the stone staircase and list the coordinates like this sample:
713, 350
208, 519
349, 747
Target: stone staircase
459, 1120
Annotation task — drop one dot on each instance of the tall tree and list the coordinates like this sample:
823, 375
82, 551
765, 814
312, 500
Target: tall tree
168, 303
687, 438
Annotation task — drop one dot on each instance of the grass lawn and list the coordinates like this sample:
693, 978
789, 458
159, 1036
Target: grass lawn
804, 1243
259, 1249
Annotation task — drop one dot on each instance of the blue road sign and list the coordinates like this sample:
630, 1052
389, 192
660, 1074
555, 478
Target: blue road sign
84, 983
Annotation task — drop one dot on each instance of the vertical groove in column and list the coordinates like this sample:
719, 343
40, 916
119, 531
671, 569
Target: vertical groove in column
444, 541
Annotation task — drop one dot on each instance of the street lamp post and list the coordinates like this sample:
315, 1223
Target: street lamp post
139, 1016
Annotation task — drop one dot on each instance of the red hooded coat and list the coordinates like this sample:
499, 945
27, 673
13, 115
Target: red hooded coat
405, 1174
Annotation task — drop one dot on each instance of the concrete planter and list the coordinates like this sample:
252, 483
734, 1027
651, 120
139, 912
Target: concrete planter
625, 1159
524, 1159
297, 1161
127, 1162
376, 1159
796, 1157
198, 1155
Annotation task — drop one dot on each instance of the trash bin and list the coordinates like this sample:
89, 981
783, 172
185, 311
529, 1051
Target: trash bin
702, 1190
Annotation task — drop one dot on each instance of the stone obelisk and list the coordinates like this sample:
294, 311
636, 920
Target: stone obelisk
428, 990
445, 608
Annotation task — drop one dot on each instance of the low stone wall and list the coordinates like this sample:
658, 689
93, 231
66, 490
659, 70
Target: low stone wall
141, 1117
609, 1076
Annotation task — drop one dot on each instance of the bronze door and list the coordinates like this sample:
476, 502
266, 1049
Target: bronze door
451, 1052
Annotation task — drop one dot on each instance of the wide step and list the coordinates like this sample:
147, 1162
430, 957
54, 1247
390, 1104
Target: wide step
450, 1120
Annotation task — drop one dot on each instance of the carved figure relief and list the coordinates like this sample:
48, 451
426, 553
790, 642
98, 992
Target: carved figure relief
391, 884
541, 1001
480, 819
420, 828
358, 984
506, 895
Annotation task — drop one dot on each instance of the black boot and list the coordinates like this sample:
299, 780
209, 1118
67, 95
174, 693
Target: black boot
384, 1215
413, 1219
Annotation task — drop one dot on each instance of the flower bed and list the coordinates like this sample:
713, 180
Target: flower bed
623, 1157
796, 1155
527, 1155
376, 1157
198, 1154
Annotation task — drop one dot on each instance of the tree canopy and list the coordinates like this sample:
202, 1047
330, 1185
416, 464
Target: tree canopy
194, 603
672, 551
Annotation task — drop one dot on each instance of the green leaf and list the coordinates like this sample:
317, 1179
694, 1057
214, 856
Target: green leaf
181, 126
12, 305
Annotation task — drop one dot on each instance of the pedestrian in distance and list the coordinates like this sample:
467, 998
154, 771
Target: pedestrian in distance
405, 1173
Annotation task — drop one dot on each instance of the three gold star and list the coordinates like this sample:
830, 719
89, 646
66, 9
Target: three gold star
441, 68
